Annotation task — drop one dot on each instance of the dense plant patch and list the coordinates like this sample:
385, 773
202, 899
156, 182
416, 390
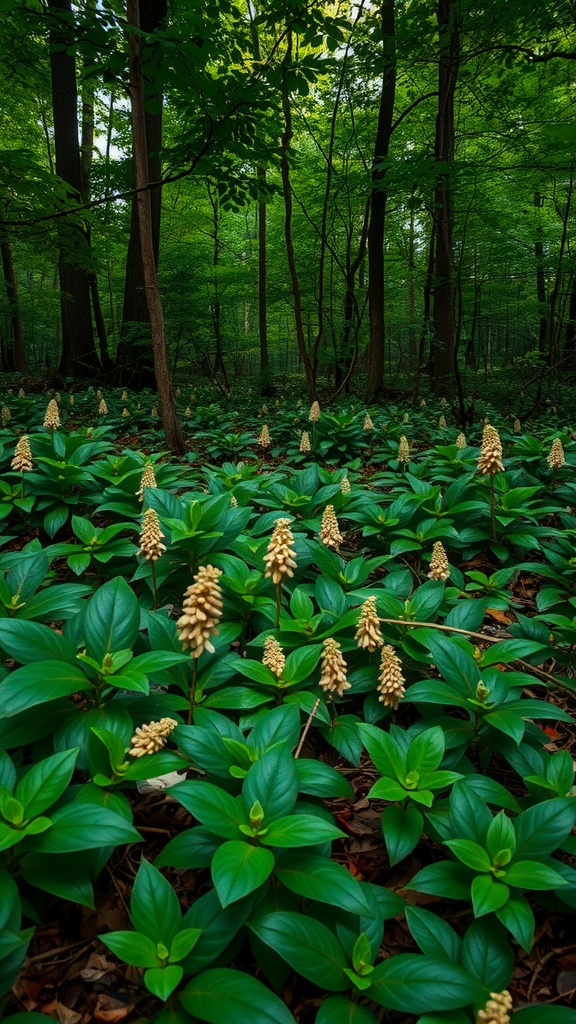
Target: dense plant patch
348, 611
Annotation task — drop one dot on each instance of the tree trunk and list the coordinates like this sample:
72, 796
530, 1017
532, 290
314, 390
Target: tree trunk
287, 190
86, 152
172, 430
540, 280
262, 273
378, 200
570, 339
444, 291
219, 366
79, 357
16, 356
551, 337
134, 354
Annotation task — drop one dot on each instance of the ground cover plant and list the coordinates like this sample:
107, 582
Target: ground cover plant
340, 644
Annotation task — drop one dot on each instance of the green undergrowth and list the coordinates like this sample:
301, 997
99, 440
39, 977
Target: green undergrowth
92, 653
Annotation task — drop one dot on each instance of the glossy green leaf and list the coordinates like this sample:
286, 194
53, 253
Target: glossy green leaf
238, 868
318, 878
221, 995
307, 945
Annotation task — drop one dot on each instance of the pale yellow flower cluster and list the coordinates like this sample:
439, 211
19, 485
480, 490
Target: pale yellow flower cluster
368, 633
148, 480
329, 529
490, 460
439, 568
314, 414
102, 408
333, 668
264, 439
52, 415
496, 1010
305, 441
403, 450
151, 737
273, 656
280, 555
201, 611
461, 441
390, 681
345, 486
22, 461
151, 536
555, 457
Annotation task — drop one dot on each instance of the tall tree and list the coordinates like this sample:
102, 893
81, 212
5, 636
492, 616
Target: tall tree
172, 431
134, 354
378, 202
444, 287
13, 358
79, 358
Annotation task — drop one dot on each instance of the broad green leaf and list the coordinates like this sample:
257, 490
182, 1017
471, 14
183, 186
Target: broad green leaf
402, 828
444, 878
416, 984
193, 848
212, 807
161, 981
183, 943
542, 828
300, 830
516, 915
154, 906
132, 947
487, 954
470, 854
543, 1014
42, 784
434, 936
383, 752
112, 619
318, 878
307, 945
31, 641
488, 894
318, 779
222, 995
238, 868
531, 874
426, 751
76, 826
38, 683
273, 781
339, 1010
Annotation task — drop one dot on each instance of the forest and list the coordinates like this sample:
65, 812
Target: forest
329, 190
287, 512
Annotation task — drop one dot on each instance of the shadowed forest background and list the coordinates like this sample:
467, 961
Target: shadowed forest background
330, 189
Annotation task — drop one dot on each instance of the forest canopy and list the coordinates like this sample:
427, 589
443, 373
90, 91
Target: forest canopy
330, 188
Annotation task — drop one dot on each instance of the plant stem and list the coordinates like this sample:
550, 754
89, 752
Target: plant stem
492, 514
278, 603
154, 588
193, 691
306, 728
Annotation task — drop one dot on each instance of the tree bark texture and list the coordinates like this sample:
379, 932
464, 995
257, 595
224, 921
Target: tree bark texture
79, 357
172, 431
15, 358
262, 279
287, 190
444, 291
134, 354
378, 201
